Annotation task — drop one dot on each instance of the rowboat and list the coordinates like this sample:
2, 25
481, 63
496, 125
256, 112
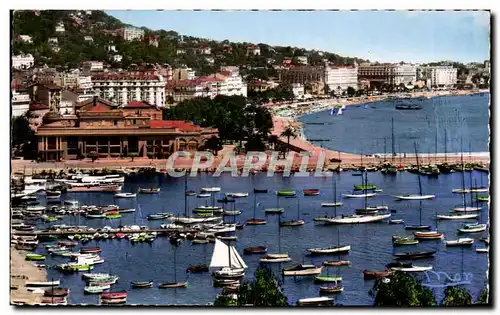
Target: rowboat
367, 195
366, 211
96, 289
397, 221
332, 289
482, 250
259, 191
331, 204
430, 235
311, 192
316, 301
189, 193
46, 300
274, 210
467, 209
415, 255
226, 200
330, 250
321, 279
370, 274
56, 292
335, 263
73, 267
472, 228
149, 190
125, 195
197, 268
414, 197
156, 216
209, 208
231, 212
285, 192
256, 222
96, 281
95, 216
457, 216
472, 190
408, 267
203, 195
417, 227
351, 219
404, 240
95, 275
255, 250
237, 195
114, 295
460, 242
482, 198
275, 258
35, 257
365, 187
42, 283
170, 285
302, 270
210, 189
113, 216
142, 284
292, 223
90, 250
113, 301
185, 220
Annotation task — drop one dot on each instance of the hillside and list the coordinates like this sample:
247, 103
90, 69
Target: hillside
73, 49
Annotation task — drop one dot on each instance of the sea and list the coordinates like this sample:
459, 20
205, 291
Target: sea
371, 245
368, 129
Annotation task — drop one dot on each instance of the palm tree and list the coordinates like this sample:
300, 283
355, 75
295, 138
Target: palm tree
289, 132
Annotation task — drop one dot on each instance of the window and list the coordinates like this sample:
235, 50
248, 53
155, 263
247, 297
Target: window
115, 122
133, 121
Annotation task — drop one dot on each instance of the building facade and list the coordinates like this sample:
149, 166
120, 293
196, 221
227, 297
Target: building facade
23, 61
301, 74
440, 76
298, 90
110, 131
93, 66
341, 77
131, 33
405, 74
377, 75
182, 74
122, 88
20, 103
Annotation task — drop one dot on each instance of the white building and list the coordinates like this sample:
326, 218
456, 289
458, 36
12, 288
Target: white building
233, 82
85, 82
122, 88
88, 39
343, 76
153, 41
93, 66
20, 103
181, 51
405, 73
302, 60
205, 50
440, 76
210, 60
25, 38
253, 50
52, 40
67, 103
23, 61
111, 48
131, 33
60, 27
117, 58
298, 90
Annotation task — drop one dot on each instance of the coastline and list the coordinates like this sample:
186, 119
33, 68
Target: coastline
352, 159
21, 267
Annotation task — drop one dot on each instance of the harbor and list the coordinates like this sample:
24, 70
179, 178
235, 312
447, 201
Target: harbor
173, 249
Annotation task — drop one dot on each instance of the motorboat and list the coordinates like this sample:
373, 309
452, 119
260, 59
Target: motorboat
460, 242
330, 250
414, 197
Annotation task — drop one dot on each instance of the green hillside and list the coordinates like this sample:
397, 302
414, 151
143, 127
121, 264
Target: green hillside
73, 49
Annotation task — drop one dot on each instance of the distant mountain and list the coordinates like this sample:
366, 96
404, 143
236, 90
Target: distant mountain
72, 48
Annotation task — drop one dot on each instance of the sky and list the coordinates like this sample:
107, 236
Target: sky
384, 36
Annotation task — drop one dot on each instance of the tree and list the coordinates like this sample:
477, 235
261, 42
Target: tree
213, 144
351, 91
401, 289
289, 132
23, 137
264, 291
483, 297
456, 296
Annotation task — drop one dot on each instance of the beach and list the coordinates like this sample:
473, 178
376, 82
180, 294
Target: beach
20, 272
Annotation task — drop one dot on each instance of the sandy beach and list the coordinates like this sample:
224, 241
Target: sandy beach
20, 272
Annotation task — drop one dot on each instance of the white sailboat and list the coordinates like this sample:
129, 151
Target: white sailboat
412, 268
339, 113
350, 219
414, 197
335, 203
210, 189
472, 228
457, 216
366, 195
186, 220
467, 209
227, 258
460, 242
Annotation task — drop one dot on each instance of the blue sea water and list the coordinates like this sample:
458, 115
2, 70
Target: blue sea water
371, 246
368, 129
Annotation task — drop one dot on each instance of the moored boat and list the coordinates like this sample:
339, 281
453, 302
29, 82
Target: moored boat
414, 197
56, 292
210, 189
460, 242
467, 209
302, 270
404, 240
274, 210
114, 295
316, 301
256, 222
323, 279
96, 289
286, 193
149, 190
171, 285
125, 195
331, 204
35, 257
330, 250
366, 195
365, 187
472, 228
336, 263
255, 250
141, 284
259, 191
372, 274
429, 235
457, 216
54, 283
311, 192
351, 219
415, 255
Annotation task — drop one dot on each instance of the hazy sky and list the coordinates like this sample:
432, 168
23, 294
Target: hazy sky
388, 36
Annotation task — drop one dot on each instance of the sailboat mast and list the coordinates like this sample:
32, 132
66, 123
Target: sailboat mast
175, 264
471, 187
463, 176
334, 195
366, 192
298, 209
436, 146
385, 149
254, 204
418, 169
445, 146
393, 142
279, 233
185, 195
420, 210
